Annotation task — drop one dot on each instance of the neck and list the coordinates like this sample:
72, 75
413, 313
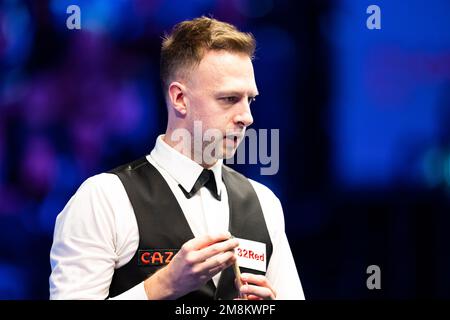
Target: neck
187, 147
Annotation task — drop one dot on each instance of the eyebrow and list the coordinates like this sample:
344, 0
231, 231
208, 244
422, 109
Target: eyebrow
235, 93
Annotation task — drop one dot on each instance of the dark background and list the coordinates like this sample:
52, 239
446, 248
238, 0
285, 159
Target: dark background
363, 116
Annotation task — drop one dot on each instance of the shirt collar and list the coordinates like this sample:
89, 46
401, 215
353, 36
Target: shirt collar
184, 170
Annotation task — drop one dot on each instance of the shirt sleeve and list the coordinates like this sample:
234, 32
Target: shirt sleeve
84, 251
281, 271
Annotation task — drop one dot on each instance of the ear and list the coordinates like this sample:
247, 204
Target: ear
176, 92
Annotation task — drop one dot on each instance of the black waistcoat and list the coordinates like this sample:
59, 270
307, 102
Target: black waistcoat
162, 225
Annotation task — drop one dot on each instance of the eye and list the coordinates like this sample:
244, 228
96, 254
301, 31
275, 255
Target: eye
250, 100
231, 99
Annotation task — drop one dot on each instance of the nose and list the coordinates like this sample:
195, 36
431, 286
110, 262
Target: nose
244, 118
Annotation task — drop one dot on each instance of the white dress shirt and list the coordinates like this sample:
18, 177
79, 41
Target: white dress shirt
97, 231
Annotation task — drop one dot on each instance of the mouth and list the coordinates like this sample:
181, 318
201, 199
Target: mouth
232, 139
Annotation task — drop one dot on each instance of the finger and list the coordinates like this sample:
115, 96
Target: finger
212, 272
215, 249
262, 292
206, 240
239, 285
258, 280
253, 297
217, 263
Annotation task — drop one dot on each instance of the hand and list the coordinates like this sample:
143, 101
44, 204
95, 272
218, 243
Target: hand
198, 260
256, 287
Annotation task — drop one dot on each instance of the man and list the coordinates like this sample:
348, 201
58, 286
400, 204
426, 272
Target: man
171, 225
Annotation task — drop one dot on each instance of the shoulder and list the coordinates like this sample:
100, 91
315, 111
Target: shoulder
99, 209
100, 187
103, 191
96, 196
270, 204
263, 192
102, 182
271, 207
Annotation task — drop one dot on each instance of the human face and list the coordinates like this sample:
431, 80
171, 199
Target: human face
219, 92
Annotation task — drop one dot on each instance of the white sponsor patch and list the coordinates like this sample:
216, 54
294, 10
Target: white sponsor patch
251, 254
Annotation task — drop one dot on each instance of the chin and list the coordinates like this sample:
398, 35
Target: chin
229, 153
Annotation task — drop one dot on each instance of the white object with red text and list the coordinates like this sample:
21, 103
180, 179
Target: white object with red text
251, 254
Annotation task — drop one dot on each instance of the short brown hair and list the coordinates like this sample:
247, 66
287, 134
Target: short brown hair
188, 41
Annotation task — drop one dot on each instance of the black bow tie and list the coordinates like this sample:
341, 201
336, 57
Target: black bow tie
206, 179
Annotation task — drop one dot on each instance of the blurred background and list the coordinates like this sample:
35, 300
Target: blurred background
364, 119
